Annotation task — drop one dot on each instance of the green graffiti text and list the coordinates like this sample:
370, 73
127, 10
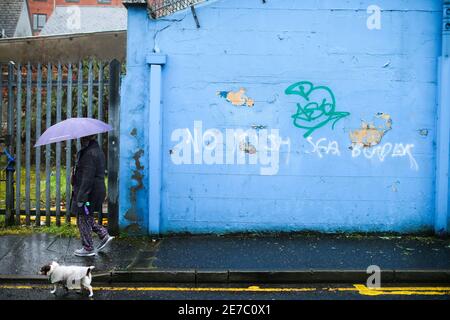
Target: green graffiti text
316, 108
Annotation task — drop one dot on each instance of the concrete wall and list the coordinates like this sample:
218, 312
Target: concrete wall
133, 185
349, 99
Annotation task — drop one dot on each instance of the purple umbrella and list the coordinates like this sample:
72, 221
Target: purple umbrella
72, 128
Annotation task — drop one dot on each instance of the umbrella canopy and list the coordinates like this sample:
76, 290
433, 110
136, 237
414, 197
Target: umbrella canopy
72, 128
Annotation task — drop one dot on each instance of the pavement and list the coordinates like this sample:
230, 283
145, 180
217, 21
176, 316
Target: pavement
289, 258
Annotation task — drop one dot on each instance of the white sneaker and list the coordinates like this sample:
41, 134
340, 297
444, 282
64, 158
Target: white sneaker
84, 253
104, 242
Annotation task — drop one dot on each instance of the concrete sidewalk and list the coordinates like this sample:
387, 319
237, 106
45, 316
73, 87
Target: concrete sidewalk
265, 258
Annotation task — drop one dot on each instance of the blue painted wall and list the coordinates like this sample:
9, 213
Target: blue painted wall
265, 48
133, 170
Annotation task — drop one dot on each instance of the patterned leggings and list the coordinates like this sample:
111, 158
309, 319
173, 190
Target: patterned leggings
86, 224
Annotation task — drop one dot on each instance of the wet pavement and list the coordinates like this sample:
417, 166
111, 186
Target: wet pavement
24, 255
303, 252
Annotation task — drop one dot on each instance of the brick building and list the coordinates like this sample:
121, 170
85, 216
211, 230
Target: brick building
41, 10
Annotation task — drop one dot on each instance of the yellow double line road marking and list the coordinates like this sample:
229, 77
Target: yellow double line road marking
194, 289
212, 289
361, 289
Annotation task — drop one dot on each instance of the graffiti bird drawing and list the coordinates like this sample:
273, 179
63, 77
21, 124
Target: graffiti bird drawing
316, 108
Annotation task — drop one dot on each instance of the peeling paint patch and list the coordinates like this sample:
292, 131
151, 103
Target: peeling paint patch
133, 132
137, 176
423, 132
131, 215
237, 98
247, 147
371, 133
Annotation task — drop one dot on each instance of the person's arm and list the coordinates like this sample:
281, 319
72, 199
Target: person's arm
87, 173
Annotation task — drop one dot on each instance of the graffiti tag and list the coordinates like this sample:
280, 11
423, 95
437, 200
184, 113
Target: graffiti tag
322, 146
317, 107
382, 151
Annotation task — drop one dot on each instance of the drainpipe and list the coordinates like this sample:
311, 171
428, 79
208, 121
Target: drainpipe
443, 129
155, 61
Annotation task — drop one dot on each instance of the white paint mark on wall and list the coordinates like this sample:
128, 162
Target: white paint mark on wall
388, 149
405, 151
323, 147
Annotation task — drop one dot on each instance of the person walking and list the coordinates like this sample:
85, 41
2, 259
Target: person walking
88, 193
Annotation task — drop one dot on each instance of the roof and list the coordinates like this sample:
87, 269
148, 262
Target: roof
10, 11
134, 2
161, 8
93, 19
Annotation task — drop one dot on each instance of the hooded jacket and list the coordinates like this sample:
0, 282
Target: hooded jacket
88, 183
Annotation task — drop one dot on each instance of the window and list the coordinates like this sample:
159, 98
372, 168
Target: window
72, 0
104, 1
39, 21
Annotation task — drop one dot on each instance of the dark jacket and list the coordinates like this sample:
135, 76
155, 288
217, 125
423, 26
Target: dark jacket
88, 183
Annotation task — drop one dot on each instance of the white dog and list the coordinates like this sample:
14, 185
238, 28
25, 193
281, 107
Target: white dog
71, 277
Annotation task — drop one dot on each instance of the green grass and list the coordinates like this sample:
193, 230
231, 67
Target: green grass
65, 230
62, 231
43, 188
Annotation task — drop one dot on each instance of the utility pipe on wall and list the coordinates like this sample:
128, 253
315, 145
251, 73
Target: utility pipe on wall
156, 61
443, 129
